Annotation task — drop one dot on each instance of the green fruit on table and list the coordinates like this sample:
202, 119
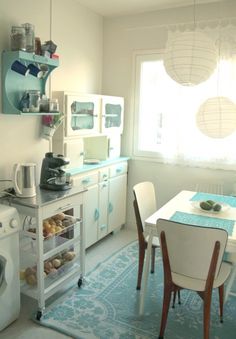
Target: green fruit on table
211, 202
217, 207
205, 205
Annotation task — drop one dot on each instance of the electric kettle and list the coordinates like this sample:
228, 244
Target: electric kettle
24, 180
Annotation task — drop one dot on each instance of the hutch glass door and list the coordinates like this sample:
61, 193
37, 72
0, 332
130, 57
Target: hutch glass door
112, 114
82, 115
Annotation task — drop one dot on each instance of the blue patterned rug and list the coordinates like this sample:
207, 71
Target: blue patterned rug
106, 306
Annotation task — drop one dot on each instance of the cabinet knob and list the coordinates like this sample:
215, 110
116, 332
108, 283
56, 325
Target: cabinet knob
13, 223
110, 207
96, 214
85, 181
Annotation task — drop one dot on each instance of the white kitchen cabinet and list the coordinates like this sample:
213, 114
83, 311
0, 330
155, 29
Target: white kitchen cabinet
91, 215
89, 181
72, 149
117, 202
117, 196
91, 128
104, 200
89, 114
114, 146
81, 112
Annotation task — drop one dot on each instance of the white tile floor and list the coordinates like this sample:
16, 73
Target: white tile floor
25, 328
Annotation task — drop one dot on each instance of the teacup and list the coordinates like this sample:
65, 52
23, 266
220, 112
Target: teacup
35, 71
20, 68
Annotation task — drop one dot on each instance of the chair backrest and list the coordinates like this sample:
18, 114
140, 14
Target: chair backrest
145, 197
190, 247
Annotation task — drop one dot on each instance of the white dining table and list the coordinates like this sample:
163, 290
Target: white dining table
182, 205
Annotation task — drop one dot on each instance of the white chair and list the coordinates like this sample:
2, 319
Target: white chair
192, 259
144, 205
218, 188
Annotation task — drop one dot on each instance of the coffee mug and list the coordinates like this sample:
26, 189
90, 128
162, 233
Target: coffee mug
35, 71
20, 68
44, 68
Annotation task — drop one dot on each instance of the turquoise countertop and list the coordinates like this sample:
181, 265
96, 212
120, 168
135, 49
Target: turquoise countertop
86, 168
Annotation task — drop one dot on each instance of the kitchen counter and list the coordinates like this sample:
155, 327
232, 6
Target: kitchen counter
86, 167
43, 197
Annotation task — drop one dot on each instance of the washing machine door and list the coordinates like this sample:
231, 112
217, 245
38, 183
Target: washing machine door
2, 269
2, 274
6, 271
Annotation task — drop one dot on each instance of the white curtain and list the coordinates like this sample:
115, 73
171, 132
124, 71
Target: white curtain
182, 141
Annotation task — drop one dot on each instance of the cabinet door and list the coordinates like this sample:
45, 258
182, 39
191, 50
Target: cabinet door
74, 150
103, 203
91, 215
117, 202
114, 146
82, 114
112, 115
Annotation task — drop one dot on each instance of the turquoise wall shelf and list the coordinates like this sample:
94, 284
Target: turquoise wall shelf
14, 85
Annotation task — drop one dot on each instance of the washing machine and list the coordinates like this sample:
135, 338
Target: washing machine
9, 266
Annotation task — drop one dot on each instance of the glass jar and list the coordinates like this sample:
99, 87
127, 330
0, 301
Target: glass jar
44, 104
24, 103
53, 105
29, 35
38, 48
18, 39
34, 100
30, 101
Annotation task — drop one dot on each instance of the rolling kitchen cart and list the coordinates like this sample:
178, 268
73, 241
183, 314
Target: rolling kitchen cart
52, 248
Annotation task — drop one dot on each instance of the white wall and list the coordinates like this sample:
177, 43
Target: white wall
122, 37
78, 33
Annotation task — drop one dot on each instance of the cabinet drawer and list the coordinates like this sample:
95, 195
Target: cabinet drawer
61, 205
85, 181
118, 169
103, 174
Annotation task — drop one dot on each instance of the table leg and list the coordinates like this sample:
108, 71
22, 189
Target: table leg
145, 273
230, 283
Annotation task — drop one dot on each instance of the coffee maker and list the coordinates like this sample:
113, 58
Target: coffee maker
53, 177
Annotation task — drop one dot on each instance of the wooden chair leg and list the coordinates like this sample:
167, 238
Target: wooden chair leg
140, 266
206, 315
174, 297
221, 301
153, 260
179, 300
165, 309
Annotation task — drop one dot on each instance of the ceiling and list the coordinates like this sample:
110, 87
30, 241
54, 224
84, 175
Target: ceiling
112, 8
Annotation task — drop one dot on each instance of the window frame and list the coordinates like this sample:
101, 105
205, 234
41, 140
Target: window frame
159, 156
139, 57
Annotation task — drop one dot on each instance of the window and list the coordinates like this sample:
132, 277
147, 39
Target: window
165, 111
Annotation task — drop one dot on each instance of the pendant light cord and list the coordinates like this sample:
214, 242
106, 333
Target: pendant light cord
50, 38
219, 52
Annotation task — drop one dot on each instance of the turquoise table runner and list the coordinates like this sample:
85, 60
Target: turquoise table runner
216, 197
201, 220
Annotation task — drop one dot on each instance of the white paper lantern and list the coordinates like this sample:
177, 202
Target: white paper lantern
190, 58
216, 117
